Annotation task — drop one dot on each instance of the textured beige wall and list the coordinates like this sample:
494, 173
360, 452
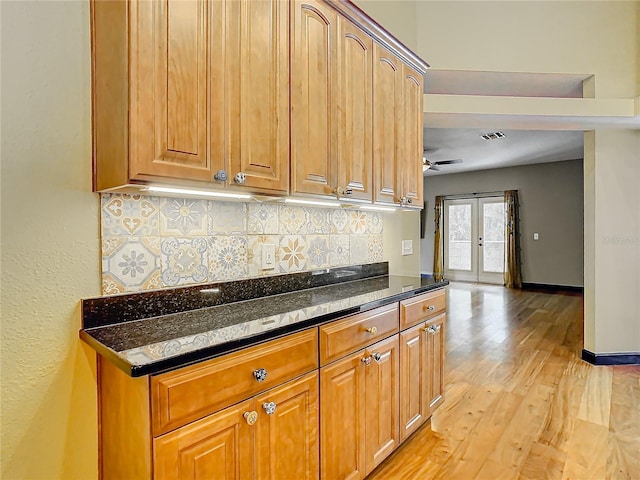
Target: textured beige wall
397, 16
398, 226
594, 37
550, 196
50, 248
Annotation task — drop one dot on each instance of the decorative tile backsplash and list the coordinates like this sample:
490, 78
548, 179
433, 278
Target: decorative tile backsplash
152, 242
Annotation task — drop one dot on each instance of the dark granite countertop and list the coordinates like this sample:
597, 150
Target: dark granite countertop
158, 343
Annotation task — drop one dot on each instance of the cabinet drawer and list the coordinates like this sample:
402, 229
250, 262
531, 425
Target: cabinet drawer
352, 333
421, 307
192, 392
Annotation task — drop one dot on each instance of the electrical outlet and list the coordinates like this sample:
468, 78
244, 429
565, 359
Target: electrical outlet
268, 256
536, 236
407, 247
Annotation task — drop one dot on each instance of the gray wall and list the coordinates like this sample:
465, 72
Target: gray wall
551, 204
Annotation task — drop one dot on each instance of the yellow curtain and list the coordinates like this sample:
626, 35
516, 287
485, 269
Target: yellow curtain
438, 259
512, 275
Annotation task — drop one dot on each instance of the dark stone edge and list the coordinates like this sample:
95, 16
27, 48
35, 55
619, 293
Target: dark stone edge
112, 309
208, 353
548, 288
611, 358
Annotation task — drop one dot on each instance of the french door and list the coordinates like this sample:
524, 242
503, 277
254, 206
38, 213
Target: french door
474, 239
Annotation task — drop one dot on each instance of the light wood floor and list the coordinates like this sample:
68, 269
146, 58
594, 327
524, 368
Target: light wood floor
520, 403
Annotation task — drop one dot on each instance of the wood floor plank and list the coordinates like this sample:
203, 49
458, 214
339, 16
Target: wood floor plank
519, 401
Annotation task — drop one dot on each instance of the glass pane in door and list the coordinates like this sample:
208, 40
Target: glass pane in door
493, 241
459, 222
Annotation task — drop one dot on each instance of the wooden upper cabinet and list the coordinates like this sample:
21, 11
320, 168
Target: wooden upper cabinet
355, 167
257, 88
314, 93
171, 83
411, 149
387, 124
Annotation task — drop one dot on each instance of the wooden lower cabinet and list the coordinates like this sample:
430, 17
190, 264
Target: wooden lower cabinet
282, 443
421, 373
435, 361
218, 446
286, 441
359, 411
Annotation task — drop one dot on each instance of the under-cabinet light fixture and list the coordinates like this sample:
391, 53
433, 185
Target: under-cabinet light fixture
377, 208
199, 193
315, 203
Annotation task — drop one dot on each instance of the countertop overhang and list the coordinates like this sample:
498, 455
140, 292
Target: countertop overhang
159, 343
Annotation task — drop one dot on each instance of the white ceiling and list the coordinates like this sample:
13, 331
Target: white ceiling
527, 139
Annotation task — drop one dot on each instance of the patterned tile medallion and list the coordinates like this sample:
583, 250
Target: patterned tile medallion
374, 246
254, 254
339, 220
318, 251
338, 250
124, 215
130, 264
262, 219
358, 221
375, 222
227, 218
293, 253
292, 219
184, 260
183, 216
227, 257
317, 220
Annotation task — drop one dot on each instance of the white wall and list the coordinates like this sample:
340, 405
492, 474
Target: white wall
551, 204
50, 248
397, 16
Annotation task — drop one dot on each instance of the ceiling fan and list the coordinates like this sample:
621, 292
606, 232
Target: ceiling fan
428, 165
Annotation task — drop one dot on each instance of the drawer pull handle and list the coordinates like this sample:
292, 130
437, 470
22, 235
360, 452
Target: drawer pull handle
366, 360
260, 375
269, 407
377, 356
433, 329
372, 330
431, 308
251, 417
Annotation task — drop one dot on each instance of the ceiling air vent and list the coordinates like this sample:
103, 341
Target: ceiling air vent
493, 136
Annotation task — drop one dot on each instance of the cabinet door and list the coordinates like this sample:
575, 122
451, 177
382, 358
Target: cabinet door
286, 436
342, 417
219, 446
314, 92
387, 124
414, 405
435, 362
410, 158
172, 45
257, 87
355, 159
382, 388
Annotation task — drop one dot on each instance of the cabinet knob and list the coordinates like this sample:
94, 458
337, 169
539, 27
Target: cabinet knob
251, 417
377, 356
240, 178
269, 407
409, 200
431, 308
372, 330
260, 375
366, 360
220, 176
433, 329
403, 201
